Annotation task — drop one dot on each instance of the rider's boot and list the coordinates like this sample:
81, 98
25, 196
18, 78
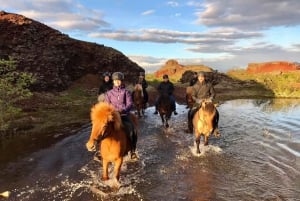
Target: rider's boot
133, 141
155, 110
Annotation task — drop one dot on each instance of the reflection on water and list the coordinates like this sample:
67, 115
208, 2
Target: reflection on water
257, 158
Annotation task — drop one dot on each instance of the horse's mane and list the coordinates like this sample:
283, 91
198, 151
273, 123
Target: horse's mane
102, 113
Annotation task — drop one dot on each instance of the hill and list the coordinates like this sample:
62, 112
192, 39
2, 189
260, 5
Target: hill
56, 59
176, 70
279, 66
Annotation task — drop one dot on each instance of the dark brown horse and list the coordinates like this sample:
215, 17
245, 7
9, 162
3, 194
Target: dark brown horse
164, 107
204, 123
114, 145
138, 99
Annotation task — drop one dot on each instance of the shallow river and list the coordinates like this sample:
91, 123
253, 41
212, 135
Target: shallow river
256, 158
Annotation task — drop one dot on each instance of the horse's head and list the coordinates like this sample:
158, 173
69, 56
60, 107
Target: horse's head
205, 117
138, 87
104, 118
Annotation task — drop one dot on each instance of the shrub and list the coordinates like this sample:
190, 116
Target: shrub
13, 88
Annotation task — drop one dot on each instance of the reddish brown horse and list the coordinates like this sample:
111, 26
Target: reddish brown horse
138, 99
114, 145
189, 100
203, 122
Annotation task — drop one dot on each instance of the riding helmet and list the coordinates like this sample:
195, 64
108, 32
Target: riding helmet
201, 74
165, 76
118, 76
106, 74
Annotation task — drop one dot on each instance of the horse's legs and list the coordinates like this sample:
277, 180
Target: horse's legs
117, 168
105, 170
162, 119
205, 140
167, 123
198, 143
139, 112
168, 117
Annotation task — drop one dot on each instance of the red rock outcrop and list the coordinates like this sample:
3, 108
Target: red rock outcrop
280, 66
56, 59
174, 69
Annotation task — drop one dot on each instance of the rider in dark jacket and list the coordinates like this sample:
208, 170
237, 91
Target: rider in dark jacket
194, 79
201, 90
166, 87
105, 86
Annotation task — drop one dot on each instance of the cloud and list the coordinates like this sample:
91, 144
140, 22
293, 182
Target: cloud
224, 36
65, 15
248, 15
173, 3
150, 64
148, 12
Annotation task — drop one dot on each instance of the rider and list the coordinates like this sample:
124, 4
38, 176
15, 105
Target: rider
166, 87
121, 99
105, 86
201, 90
141, 80
194, 79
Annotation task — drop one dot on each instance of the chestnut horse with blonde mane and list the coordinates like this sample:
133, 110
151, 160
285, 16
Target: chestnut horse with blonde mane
114, 145
138, 99
204, 123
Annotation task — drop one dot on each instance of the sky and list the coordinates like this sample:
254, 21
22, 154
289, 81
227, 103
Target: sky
222, 34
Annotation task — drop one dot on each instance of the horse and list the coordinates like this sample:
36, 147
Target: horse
114, 145
204, 122
189, 100
138, 99
164, 107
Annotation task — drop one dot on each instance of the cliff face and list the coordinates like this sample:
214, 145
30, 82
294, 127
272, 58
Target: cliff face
56, 59
174, 69
281, 66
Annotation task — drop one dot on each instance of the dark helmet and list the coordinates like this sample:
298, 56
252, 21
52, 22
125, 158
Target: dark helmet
106, 74
118, 76
165, 76
201, 74
142, 74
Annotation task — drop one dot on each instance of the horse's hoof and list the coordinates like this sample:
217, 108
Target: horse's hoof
104, 178
97, 157
90, 148
134, 156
